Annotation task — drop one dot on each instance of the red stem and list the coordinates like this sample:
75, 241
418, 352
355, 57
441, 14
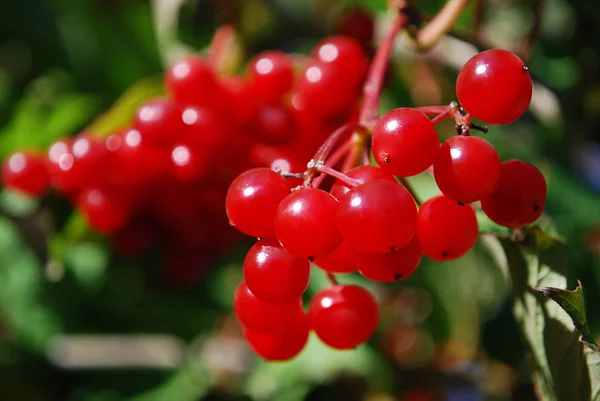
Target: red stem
447, 113
220, 45
332, 279
432, 110
332, 160
369, 112
324, 169
327, 146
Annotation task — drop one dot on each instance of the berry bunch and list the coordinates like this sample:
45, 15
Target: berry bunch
369, 221
163, 178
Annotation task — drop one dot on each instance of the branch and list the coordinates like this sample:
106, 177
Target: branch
435, 29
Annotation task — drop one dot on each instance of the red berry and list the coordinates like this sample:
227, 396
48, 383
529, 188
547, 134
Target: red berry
361, 174
71, 165
252, 201
324, 91
133, 160
378, 216
494, 86
305, 223
204, 127
187, 164
159, 121
344, 316
279, 158
520, 197
240, 98
342, 260
25, 172
446, 229
281, 346
346, 55
467, 168
105, 210
390, 266
264, 317
405, 142
271, 74
274, 124
191, 80
273, 274
357, 24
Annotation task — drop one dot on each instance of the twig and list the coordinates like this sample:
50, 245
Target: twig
439, 25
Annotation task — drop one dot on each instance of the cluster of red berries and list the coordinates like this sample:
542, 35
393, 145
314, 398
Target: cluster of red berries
370, 222
164, 178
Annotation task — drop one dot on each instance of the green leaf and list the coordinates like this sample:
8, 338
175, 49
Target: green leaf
573, 302
548, 333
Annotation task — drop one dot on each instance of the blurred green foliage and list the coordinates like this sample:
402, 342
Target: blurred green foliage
70, 65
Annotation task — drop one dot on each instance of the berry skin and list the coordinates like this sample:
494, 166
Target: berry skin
106, 211
361, 174
252, 201
344, 316
305, 223
520, 197
274, 124
264, 317
446, 230
191, 80
72, 163
280, 346
494, 86
323, 90
187, 164
26, 173
357, 24
203, 127
391, 266
405, 142
467, 168
378, 216
271, 76
159, 121
341, 52
274, 275
342, 260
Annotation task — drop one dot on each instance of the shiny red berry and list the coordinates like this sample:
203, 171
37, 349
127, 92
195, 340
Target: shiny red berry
344, 316
105, 210
342, 260
342, 52
186, 163
274, 124
190, 80
405, 142
305, 223
390, 266
281, 346
446, 230
467, 168
378, 216
273, 274
159, 121
494, 86
271, 76
324, 91
252, 201
520, 197
26, 173
264, 317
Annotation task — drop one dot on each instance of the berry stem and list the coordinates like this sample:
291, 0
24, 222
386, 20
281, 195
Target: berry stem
410, 189
327, 146
447, 113
332, 160
435, 29
332, 279
220, 46
433, 110
369, 112
325, 169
